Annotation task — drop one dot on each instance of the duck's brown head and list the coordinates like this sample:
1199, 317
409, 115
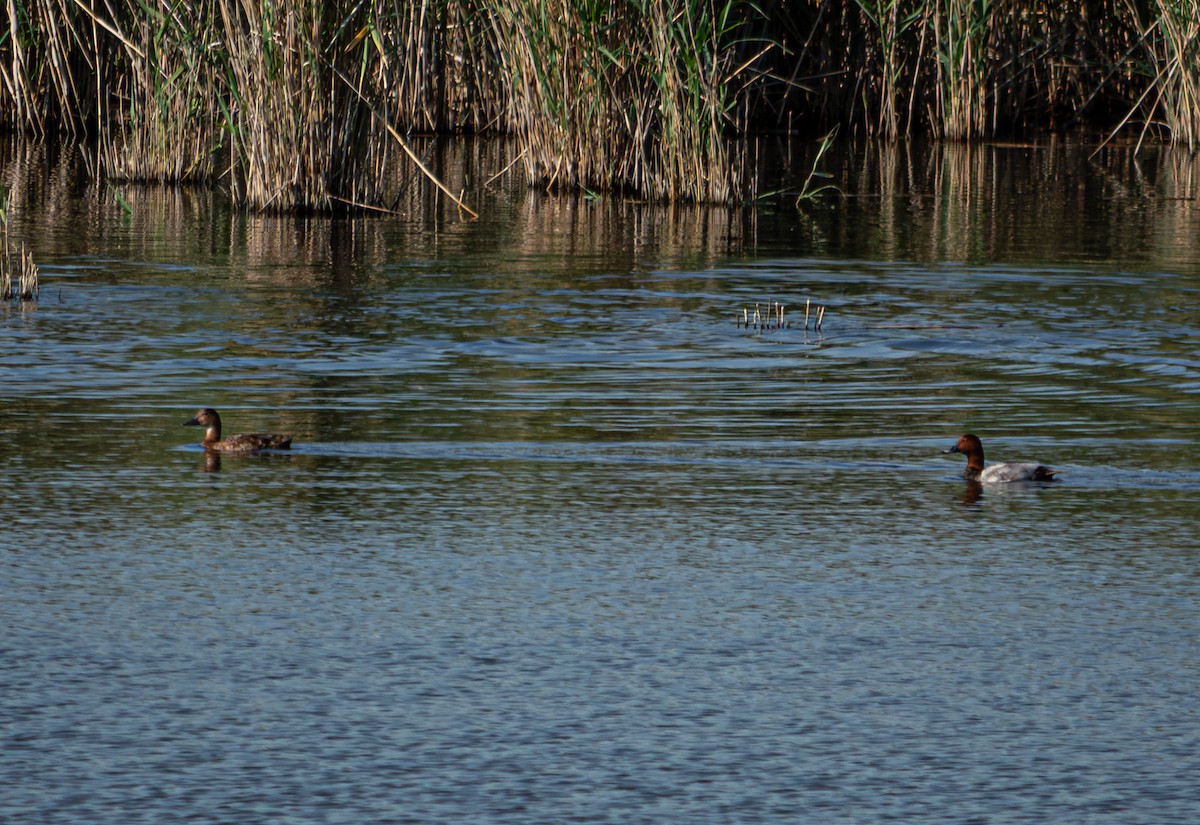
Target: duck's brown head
206, 417
972, 447
966, 443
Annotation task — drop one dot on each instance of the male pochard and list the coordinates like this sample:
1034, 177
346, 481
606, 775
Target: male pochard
246, 443
997, 473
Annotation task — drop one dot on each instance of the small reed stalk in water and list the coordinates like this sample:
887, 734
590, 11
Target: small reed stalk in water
773, 316
29, 288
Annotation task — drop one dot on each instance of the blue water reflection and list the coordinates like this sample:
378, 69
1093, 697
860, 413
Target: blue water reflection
560, 541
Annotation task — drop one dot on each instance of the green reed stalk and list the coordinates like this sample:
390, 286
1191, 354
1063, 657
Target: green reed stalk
811, 190
1169, 95
961, 30
889, 28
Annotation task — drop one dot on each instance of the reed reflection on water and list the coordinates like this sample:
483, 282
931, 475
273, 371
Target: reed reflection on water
558, 539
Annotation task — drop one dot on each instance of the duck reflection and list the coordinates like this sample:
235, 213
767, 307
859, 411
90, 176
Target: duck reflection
972, 495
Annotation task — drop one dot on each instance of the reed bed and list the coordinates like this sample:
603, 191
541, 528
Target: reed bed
300, 105
631, 96
970, 69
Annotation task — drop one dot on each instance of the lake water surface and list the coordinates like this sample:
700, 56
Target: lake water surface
561, 541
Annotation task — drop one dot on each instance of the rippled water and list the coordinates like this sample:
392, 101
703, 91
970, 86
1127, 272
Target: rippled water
561, 541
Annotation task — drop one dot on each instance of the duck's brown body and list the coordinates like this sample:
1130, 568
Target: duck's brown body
244, 443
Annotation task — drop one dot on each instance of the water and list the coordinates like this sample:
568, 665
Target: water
559, 541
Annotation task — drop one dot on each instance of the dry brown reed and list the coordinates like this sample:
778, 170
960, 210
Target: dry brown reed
244, 92
1171, 46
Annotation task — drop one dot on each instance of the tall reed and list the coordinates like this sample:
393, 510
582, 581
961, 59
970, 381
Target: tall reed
45, 77
889, 27
281, 103
961, 29
1172, 48
162, 132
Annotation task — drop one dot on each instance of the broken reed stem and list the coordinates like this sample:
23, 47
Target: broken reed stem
774, 316
27, 271
404, 144
5, 271
28, 287
30, 290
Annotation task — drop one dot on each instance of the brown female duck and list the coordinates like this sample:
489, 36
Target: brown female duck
246, 443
